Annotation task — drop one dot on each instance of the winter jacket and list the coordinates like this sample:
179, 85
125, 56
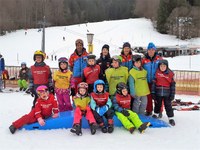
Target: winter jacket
91, 74
138, 85
23, 73
151, 65
121, 102
164, 84
114, 76
44, 108
127, 61
104, 63
40, 74
81, 101
78, 62
2, 64
63, 80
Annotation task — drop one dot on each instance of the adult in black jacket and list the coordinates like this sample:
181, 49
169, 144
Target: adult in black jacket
104, 61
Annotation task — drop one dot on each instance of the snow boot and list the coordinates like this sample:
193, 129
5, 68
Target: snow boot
12, 129
104, 129
93, 128
160, 115
172, 122
110, 128
148, 113
155, 116
76, 129
21, 88
143, 127
132, 129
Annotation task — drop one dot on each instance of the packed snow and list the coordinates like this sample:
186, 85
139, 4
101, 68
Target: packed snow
17, 47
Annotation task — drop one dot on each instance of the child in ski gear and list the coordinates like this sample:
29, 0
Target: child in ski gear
63, 84
2, 68
39, 74
116, 74
104, 61
91, 72
23, 77
138, 85
45, 107
81, 102
126, 55
150, 64
163, 89
101, 106
77, 62
128, 118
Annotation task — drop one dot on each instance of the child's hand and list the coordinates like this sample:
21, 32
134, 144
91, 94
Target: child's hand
55, 115
41, 121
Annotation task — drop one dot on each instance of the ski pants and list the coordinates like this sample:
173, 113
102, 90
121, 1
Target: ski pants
132, 120
1, 81
63, 97
22, 83
149, 107
108, 115
140, 104
167, 103
26, 119
78, 114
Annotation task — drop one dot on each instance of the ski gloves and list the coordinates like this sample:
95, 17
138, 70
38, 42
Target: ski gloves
102, 110
125, 112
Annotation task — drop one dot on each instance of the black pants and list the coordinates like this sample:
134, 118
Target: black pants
108, 115
167, 104
35, 98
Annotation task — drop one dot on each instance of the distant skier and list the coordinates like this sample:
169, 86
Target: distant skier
2, 68
45, 107
23, 77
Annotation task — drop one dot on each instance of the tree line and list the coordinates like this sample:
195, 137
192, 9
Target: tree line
177, 17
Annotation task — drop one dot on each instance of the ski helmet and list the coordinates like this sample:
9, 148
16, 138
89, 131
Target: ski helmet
79, 41
39, 53
164, 61
117, 58
62, 60
120, 86
23, 63
98, 82
41, 88
83, 85
91, 56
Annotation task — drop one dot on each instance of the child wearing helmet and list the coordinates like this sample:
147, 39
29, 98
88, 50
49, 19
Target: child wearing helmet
138, 85
45, 105
163, 90
116, 74
91, 72
39, 74
23, 77
122, 103
101, 106
82, 108
63, 84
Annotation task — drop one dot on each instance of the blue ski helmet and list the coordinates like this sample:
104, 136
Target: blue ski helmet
98, 82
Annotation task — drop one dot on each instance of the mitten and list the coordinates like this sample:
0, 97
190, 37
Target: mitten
125, 112
55, 115
41, 121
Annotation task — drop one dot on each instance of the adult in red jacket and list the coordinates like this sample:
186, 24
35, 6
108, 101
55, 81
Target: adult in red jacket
46, 106
77, 62
39, 74
150, 64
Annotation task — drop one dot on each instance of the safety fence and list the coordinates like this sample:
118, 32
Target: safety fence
187, 82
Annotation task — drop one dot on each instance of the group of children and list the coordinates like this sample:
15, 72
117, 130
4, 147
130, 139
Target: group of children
98, 93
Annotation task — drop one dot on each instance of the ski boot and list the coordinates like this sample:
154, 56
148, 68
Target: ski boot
143, 127
110, 126
12, 129
172, 122
148, 113
160, 115
155, 116
132, 129
76, 129
103, 128
93, 128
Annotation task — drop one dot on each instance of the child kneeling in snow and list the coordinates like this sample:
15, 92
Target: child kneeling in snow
128, 118
45, 105
81, 102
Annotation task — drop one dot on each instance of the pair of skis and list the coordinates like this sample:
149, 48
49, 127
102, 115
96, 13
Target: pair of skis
185, 106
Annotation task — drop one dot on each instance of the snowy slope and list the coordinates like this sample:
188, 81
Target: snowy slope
17, 47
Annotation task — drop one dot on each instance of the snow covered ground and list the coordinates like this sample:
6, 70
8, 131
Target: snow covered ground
184, 136
17, 47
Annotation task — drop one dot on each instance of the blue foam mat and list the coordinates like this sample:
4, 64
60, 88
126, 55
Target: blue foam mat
65, 120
